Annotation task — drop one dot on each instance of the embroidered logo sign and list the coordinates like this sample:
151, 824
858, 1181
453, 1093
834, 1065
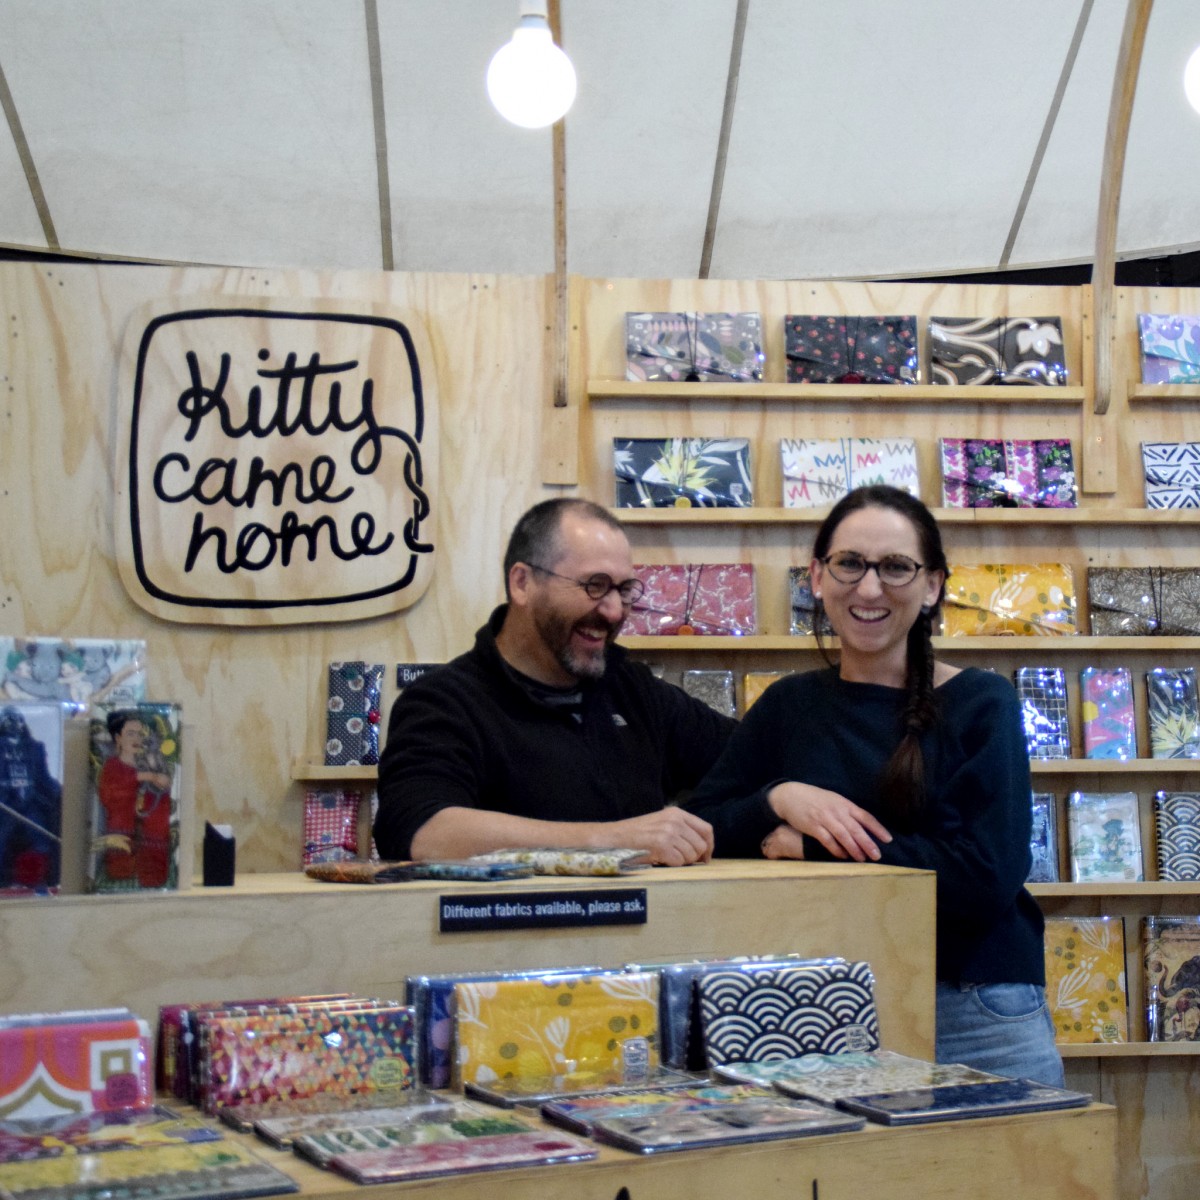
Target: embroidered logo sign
276, 465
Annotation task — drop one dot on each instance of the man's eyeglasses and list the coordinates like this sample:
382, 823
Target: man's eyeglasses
894, 570
598, 586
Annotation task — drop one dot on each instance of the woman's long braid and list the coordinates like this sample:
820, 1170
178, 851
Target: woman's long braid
903, 782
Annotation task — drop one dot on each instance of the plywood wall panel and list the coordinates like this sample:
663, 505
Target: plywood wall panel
253, 696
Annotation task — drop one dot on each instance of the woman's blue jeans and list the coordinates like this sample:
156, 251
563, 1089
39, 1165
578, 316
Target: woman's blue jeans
1004, 1028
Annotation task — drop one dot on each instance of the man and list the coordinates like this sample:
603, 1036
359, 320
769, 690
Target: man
546, 734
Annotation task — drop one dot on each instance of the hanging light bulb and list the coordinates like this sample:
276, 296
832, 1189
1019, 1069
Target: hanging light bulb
1191, 79
530, 80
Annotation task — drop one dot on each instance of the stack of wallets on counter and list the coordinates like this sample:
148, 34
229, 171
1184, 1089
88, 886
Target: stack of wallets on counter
820, 471
134, 813
698, 598
1109, 726
31, 1138
322, 1138
701, 347
1085, 979
1043, 695
461, 1155
1105, 837
1025, 599
564, 860
1170, 347
743, 1119
80, 1062
996, 473
431, 998
682, 473
1173, 712
1144, 601
1043, 839
1171, 954
352, 713
217, 1170
32, 740
805, 619
1177, 836
892, 1089
842, 349
976, 351
1172, 473
579, 1113
77, 672
226, 1055
556, 1033
828, 1078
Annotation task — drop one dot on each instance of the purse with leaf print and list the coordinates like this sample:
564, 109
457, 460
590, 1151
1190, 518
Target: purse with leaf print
1173, 712
1025, 599
1085, 979
569, 1031
682, 473
975, 351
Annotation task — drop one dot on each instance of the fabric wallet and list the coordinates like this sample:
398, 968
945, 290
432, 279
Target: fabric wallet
682, 473
1172, 474
693, 346
994, 473
1173, 712
588, 1030
1043, 695
973, 351
820, 471
1144, 601
1170, 347
699, 598
1010, 598
851, 349
748, 1013
804, 606
352, 714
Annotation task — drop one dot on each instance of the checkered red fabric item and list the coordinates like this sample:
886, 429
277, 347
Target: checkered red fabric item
330, 825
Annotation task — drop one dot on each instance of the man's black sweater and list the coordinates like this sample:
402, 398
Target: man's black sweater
473, 735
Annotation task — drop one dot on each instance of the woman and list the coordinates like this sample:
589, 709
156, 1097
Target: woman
890, 756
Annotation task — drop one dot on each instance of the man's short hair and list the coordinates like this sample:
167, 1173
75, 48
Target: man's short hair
535, 539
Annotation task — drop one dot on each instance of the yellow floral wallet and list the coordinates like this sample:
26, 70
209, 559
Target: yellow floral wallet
1022, 599
573, 1030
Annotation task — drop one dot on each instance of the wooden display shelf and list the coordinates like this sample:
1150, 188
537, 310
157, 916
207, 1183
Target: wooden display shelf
1144, 888
1163, 391
800, 642
304, 769
945, 516
1129, 1049
1108, 766
835, 393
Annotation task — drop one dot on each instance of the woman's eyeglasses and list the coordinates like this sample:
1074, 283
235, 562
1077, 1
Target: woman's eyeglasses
598, 586
894, 570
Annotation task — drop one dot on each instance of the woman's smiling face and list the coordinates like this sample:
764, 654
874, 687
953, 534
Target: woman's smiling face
871, 618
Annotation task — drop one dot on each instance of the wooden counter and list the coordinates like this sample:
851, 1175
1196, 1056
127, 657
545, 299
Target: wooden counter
287, 934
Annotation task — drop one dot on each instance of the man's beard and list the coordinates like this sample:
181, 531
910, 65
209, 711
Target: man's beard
556, 631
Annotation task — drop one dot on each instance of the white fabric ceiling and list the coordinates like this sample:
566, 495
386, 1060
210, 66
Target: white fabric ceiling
869, 138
